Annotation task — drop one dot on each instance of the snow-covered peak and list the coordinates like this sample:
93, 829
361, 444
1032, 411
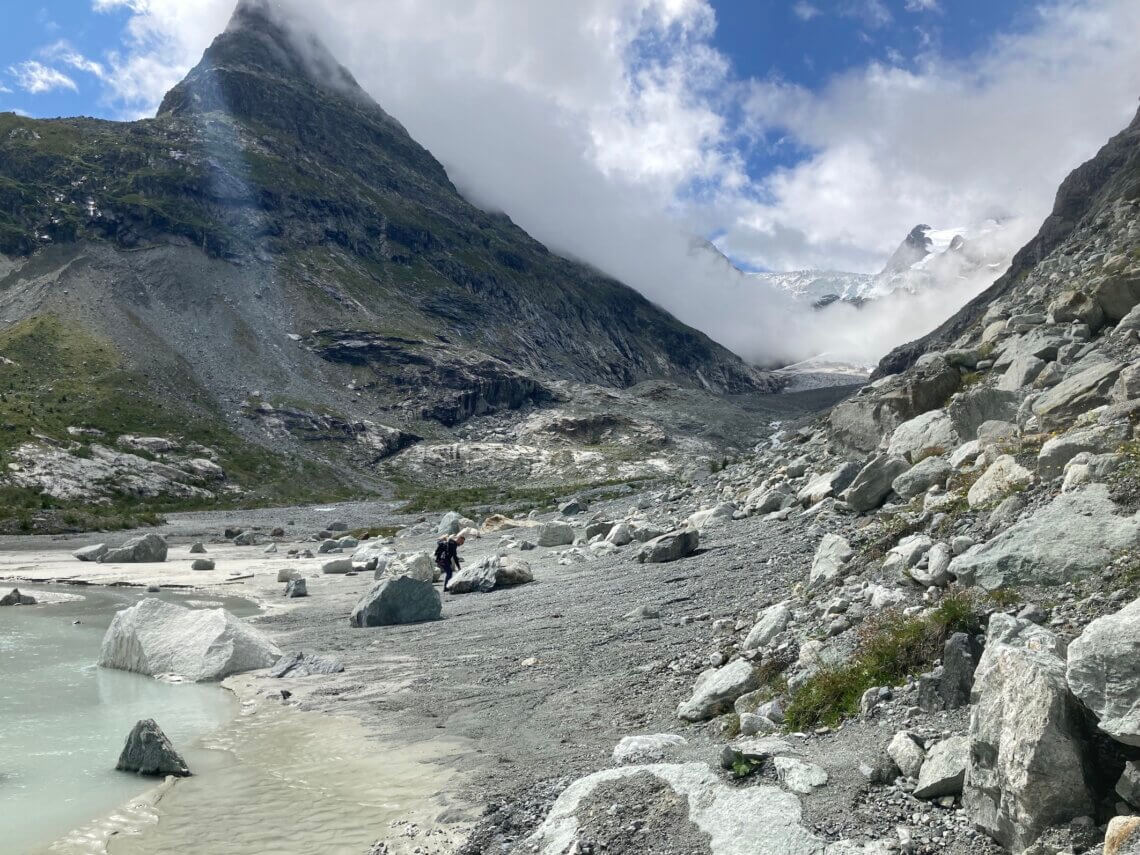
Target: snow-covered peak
925, 257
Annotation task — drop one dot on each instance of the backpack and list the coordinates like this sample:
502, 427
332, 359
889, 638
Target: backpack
440, 550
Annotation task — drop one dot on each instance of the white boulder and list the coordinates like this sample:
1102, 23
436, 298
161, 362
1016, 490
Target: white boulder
154, 637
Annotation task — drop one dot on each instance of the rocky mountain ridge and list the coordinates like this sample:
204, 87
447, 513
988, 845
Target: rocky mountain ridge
274, 231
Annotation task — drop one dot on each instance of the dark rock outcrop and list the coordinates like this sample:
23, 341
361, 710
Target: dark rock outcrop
149, 752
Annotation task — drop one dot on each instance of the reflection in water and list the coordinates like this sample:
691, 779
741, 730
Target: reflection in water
65, 720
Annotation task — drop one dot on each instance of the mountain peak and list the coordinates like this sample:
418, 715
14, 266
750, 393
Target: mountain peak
261, 43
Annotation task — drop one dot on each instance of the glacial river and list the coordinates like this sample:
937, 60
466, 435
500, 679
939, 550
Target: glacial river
63, 721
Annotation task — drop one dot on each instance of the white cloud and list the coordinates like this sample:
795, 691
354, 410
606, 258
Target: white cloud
922, 6
805, 11
873, 13
36, 78
63, 52
617, 154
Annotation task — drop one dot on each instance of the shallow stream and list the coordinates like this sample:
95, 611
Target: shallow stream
64, 720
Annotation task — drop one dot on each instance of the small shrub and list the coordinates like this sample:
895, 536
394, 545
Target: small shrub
890, 648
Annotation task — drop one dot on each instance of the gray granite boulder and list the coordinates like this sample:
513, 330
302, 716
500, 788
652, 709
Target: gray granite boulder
147, 549
873, 483
1104, 672
397, 600
921, 477
91, 553
1056, 544
670, 547
1030, 759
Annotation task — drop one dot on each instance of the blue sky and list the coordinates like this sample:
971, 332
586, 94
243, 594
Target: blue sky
806, 43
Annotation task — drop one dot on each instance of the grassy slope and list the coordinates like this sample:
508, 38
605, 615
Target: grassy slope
64, 376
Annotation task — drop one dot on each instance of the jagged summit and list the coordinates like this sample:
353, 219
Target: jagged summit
261, 42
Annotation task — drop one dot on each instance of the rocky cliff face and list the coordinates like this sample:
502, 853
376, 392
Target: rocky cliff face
274, 231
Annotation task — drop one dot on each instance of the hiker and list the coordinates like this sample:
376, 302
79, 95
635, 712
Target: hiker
447, 556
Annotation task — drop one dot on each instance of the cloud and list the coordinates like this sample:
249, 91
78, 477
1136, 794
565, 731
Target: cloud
805, 11
37, 78
611, 131
922, 6
873, 13
63, 52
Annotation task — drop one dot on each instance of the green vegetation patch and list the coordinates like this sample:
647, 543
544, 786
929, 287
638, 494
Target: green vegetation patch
61, 376
891, 647
474, 500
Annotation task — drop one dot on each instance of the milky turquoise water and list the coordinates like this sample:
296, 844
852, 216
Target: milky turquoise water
63, 721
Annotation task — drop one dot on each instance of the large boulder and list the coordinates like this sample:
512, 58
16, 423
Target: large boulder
1079, 392
1059, 450
1029, 762
1004, 476
1054, 545
906, 753
931, 433
944, 770
1104, 672
1022, 371
418, 565
860, 423
907, 553
717, 688
491, 572
91, 553
772, 622
620, 535
873, 482
1073, 306
397, 600
449, 523
921, 477
829, 484
337, 567
1117, 293
149, 752
833, 552
148, 549
555, 534
670, 547
688, 799
708, 516
245, 538
764, 500
15, 598
973, 407
153, 637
